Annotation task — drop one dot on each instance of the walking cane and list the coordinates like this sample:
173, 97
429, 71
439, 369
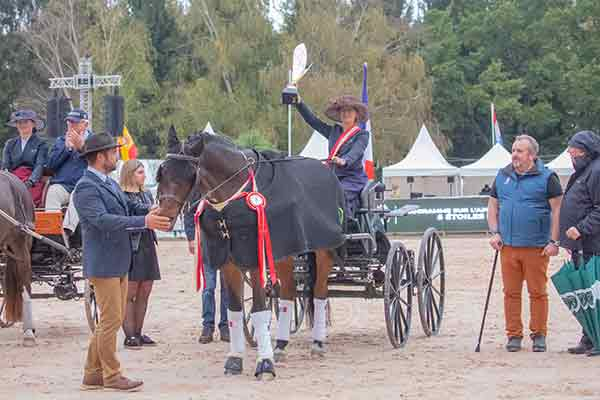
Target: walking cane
487, 302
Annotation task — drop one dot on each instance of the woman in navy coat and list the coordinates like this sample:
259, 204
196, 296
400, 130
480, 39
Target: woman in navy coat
26, 154
347, 143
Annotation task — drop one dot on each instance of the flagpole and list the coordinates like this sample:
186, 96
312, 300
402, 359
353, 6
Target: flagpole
290, 121
492, 120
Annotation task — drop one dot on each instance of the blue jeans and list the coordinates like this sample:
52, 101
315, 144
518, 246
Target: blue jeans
208, 299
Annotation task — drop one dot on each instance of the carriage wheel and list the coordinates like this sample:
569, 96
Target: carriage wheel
398, 294
272, 303
298, 312
431, 282
91, 306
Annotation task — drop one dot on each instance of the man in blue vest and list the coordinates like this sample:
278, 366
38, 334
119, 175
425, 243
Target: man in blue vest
523, 217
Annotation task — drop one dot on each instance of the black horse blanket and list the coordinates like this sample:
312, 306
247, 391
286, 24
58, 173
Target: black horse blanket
305, 204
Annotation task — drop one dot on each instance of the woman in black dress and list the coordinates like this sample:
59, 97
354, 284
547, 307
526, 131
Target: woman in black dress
144, 268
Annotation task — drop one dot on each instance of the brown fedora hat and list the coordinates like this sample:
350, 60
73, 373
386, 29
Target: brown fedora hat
99, 142
336, 105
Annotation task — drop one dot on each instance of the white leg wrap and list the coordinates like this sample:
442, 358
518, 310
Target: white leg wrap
319, 331
237, 344
27, 311
286, 307
261, 321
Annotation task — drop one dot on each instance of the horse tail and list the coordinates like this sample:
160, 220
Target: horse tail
15, 281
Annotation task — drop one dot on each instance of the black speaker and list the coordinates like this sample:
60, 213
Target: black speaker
57, 109
114, 115
450, 179
410, 179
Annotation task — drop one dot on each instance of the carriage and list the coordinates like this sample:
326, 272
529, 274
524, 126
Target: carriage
371, 266
54, 265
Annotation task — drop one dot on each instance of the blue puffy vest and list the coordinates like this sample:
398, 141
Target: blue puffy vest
525, 213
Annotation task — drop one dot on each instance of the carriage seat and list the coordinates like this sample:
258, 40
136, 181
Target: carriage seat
371, 197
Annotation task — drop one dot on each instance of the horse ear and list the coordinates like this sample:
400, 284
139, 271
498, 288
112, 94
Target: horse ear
173, 143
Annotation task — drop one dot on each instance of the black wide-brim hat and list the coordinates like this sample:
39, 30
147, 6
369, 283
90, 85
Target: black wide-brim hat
336, 105
99, 142
26, 115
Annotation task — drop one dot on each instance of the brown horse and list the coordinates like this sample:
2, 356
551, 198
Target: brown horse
16, 202
304, 202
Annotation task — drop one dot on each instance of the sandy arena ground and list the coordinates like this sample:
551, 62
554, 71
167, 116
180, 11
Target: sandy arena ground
361, 364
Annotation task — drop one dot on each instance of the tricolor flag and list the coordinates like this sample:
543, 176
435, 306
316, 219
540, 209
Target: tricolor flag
496, 134
368, 157
128, 147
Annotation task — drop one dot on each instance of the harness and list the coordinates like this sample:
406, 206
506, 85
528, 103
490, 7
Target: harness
255, 201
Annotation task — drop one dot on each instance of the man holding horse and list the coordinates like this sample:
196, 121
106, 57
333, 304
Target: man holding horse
107, 218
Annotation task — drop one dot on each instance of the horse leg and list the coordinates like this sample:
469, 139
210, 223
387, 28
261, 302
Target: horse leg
261, 321
325, 261
28, 329
287, 294
233, 279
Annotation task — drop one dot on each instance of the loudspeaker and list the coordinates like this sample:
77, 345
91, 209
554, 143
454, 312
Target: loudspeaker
114, 115
57, 109
450, 179
410, 179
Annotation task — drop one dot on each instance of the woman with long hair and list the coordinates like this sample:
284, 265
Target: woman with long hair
144, 268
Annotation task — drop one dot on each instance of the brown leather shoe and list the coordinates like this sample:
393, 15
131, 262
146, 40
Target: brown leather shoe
123, 384
92, 382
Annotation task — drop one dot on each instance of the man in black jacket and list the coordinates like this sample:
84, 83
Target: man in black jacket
580, 209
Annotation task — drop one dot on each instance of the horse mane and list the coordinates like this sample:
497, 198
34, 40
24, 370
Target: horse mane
209, 139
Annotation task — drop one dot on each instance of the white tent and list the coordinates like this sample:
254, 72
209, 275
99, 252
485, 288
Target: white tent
423, 159
562, 164
475, 175
316, 147
488, 165
425, 168
209, 128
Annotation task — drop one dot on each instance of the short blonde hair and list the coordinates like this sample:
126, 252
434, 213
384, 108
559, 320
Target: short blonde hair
126, 177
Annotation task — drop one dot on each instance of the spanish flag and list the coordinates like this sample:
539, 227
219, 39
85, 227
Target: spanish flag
128, 147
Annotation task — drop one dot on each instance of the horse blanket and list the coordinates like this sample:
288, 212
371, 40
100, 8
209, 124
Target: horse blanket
305, 212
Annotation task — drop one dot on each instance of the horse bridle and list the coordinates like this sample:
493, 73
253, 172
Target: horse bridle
196, 161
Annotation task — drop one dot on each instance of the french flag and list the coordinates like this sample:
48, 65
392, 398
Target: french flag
368, 157
496, 127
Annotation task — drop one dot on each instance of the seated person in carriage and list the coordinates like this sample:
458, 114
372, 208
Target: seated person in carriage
25, 155
347, 143
68, 166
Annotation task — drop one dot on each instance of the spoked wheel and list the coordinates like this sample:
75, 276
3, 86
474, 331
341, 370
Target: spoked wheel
272, 303
398, 294
431, 282
91, 306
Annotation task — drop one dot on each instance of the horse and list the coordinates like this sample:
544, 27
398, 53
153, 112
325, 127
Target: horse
304, 210
16, 204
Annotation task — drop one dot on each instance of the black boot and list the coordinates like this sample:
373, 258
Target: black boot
585, 345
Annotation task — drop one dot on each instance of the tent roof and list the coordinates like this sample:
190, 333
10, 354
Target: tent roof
488, 165
209, 128
317, 147
562, 164
423, 159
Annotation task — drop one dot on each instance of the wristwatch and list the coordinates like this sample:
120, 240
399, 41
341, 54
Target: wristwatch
494, 231
554, 242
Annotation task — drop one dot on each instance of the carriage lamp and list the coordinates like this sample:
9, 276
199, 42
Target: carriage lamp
289, 95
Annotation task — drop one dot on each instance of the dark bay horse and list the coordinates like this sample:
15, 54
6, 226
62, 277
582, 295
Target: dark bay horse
303, 205
16, 202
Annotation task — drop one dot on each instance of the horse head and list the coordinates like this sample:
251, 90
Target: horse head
205, 164
175, 177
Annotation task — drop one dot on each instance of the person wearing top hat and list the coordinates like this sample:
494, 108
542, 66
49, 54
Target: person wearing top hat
26, 154
67, 164
107, 217
347, 143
